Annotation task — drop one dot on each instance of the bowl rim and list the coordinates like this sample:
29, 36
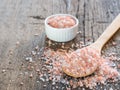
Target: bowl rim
76, 20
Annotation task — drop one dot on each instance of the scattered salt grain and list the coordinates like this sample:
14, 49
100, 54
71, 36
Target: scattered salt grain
68, 88
44, 86
3, 71
83, 88
29, 59
21, 83
114, 43
53, 88
42, 79
47, 80
37, 70
57, 87
63, 81
37, 81
37, 48
31, 75
118, 66
17, 43
33, 53
11, 52
79, 32
38, 53
36, 34
77, 45
21, 73
26, 73
63, 46
49, 43
73, 45
53, 83
111, 89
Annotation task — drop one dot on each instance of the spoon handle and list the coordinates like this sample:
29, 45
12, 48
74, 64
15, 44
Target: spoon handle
107, 34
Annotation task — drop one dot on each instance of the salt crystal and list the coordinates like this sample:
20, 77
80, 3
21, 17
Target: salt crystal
112, 64
12, 80
41, 75
74, 85
53, 88
37, 48
36, 34
11, 52
73, 45
63, 88
33, 53
47, 79
83, 88
28, 59
89, 60
53, 83
111, 88
37, 70
3, 70
63, 46
21, 83
49, 67
114, 43
105, 89
63, 81
42, 79
17, 43
31, 75
68, 88
37, 81
26, 73
79, 32
57, 87
77, 45
118, 59
118, 66
63, 43
38, 53
58, 78
49, 43
50, 78
44, 85
21, 73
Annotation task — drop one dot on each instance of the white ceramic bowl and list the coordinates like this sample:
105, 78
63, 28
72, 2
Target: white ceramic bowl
61, 34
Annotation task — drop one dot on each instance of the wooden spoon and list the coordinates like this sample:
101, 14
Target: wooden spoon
83, 62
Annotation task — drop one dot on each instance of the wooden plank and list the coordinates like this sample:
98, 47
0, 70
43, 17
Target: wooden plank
18, 25
22, 29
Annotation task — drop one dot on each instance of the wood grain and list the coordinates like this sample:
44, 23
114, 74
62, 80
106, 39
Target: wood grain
22, 29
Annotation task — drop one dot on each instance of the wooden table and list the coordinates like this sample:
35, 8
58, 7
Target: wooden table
22, 29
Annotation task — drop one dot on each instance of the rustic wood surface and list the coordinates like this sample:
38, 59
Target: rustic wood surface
22, 29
